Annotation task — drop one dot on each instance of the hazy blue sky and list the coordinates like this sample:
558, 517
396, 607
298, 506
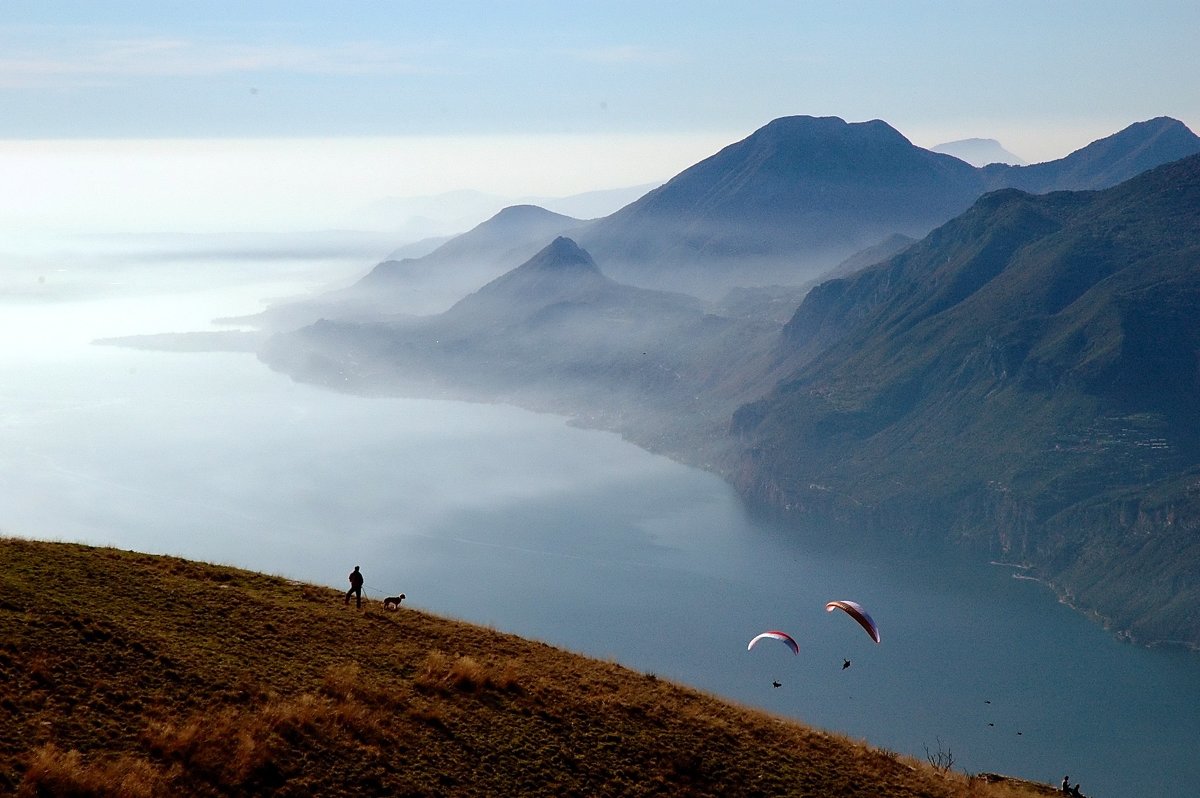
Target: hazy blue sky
543, 97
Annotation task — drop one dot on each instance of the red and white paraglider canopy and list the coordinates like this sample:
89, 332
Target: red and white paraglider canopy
783, 637
855, 611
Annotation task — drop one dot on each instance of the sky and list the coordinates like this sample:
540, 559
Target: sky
300, 114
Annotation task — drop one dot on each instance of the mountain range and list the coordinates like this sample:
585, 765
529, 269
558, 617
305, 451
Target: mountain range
782, 207
554, 334
801, 194
432, 282
1020, 377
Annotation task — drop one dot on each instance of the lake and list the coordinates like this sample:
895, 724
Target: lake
524, 523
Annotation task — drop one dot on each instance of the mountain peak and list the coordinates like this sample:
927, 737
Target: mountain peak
1169, 137
525, 214
782, 205
807, 131
802, 123
560, 271
825, 126
1159, 124
560, 255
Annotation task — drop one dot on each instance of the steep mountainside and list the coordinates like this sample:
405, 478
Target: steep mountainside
871, 255
777, 303
1029, 376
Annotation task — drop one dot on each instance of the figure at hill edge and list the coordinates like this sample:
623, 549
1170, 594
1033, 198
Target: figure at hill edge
356, 584
1067, 789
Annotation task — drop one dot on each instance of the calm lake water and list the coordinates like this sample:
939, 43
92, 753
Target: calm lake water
524, 523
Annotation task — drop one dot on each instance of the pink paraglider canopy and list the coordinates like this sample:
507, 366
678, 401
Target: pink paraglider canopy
781, 636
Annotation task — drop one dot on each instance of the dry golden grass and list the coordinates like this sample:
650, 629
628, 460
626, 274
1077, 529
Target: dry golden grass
138, 675
52, 771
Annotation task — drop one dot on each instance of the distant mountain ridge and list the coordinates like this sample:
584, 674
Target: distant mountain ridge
450, 213
803, 193
1103, 163
494, 246
781, 207
434, 281
979, 152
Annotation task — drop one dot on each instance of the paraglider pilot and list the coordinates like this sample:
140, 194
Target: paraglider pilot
356, 584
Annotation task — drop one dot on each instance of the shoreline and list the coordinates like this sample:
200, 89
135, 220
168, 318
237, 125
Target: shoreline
709, 458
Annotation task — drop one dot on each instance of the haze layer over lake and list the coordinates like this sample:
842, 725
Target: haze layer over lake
522, 522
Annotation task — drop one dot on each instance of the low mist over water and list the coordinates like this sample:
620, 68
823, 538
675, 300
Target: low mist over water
524, 523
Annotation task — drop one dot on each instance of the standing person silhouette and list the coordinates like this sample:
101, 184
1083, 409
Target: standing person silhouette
356, 583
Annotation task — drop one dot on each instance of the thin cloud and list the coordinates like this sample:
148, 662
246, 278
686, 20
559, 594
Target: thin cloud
166, 57
624, 54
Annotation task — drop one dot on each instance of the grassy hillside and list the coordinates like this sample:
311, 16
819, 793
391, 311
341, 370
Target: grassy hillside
124, 674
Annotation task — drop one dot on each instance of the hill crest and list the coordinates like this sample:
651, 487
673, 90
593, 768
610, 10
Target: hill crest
151, 676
